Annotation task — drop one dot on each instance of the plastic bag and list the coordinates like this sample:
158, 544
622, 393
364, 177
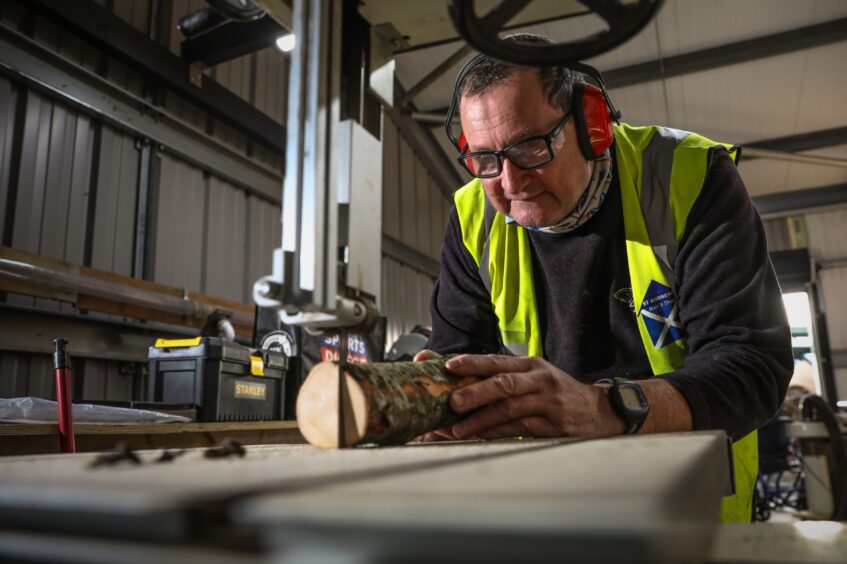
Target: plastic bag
38, 410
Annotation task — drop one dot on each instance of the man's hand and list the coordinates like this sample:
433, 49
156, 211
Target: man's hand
526, 396
439, 434
426, 354
444, 434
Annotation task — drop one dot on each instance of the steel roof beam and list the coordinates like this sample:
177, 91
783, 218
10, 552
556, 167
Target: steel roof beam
803, 141
801, 201
730, 54
426, 150
117, 37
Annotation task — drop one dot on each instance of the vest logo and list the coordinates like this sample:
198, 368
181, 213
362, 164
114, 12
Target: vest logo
250, 390
659, 312
624, 295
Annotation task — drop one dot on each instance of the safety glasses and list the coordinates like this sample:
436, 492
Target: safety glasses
527, 153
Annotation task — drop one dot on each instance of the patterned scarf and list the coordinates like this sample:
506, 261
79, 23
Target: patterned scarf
590, 201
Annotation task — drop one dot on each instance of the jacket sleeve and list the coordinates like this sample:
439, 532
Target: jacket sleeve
740, 358
463, 320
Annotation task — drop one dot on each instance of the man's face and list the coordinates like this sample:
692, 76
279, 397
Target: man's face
514, 110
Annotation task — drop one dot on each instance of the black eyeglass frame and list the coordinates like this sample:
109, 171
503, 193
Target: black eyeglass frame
548, 139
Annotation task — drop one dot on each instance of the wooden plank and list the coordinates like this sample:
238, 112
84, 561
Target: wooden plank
122, 309
803, 542
17, 254
37, 438
26, 288
638, 498
626, 499
169, 502
223, 303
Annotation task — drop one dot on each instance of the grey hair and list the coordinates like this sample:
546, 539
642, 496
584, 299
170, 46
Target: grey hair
557, 81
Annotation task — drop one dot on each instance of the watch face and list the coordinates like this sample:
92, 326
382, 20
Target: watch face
630, 398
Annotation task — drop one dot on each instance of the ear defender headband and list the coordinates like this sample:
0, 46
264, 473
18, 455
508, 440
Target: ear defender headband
592, 109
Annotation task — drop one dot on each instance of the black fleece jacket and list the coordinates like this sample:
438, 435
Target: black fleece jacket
740, 358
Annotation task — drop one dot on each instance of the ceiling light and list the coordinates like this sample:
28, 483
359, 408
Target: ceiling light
285, 43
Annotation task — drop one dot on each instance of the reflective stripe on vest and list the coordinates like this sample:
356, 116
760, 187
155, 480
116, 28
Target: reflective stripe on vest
656, 199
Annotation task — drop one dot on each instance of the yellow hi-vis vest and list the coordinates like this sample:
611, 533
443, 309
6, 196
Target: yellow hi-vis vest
661, 172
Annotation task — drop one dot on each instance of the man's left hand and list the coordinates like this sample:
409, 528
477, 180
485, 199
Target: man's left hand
527, 396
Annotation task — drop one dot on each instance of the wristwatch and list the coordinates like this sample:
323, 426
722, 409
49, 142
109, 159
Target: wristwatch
628, 401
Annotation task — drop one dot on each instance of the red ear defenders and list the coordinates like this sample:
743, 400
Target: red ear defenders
593, 120
592, 109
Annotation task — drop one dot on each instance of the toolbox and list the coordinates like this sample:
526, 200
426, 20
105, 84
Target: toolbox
224, 380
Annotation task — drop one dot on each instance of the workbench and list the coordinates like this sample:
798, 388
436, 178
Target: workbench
651, 498
624, 499
36, 438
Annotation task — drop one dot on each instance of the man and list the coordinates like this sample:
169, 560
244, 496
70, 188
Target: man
598, 272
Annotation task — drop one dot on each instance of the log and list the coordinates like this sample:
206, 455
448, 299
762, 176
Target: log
382, 403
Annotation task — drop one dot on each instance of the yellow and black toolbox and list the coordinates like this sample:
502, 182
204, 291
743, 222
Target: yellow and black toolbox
225, 381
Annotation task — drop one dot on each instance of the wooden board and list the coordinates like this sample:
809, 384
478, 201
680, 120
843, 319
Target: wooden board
627, 499
804, 542
19, 439
158, 502
651, 498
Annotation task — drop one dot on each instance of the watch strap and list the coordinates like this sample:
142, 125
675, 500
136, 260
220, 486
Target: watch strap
633, 418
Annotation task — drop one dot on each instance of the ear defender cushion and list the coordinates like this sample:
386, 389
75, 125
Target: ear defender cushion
593, 123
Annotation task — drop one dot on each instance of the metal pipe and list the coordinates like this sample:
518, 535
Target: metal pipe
64, 405
77, 282
833, 263
348, 313
430, 117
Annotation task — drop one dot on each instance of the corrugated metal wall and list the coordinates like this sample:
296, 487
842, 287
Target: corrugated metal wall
414, 212
77, 193
115, 194
23, 375
77, 190
82, 176
46, 211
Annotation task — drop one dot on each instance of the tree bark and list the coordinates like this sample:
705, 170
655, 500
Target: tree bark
382, 403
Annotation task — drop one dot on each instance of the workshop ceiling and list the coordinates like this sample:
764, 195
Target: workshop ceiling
794, 85
421, 28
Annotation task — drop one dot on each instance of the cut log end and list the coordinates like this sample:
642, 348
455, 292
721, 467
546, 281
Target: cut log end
318, 408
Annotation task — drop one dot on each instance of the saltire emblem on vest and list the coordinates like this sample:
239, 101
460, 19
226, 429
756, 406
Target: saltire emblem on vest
660, 315
661, 172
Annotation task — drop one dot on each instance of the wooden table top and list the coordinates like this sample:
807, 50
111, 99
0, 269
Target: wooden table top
43, 438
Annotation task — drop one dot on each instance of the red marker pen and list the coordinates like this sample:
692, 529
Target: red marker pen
62, 369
